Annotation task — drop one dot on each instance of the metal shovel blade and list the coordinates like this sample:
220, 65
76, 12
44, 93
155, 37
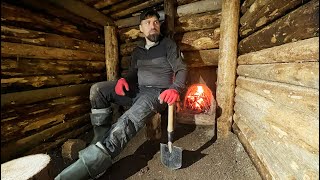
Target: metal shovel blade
172, 160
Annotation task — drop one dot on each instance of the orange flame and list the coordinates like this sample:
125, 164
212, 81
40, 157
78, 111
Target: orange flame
198, 99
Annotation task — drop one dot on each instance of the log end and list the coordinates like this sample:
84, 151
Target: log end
71, 148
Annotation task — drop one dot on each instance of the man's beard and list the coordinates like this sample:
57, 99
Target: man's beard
153, 37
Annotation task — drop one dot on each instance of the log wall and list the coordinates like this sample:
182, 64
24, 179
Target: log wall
48, 64
276, 111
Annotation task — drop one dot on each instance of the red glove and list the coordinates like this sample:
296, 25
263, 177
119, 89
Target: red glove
169, 96
119, 87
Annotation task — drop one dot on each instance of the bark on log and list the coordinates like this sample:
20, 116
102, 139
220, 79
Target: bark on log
301, 74
294, 97
48, 146
300, 51
127, 48
289, 28
256, 18
130, 34
120, 6
198, 7
112, 56
32, 82
25, 36
227, 63
28, 97
136, 8
25, 125
153, 127
133, 21
208, 20
36, 166
33, 67
182, 2
201, 58
199, 40
53, 10
16, 50
103, 4
71, 148
246, 5
13, 15
19, 147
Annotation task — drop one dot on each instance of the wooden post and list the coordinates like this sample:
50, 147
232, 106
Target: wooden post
227, 63
169, 11
112, 53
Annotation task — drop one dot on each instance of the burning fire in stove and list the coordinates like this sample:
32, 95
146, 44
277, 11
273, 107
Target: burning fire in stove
198, 99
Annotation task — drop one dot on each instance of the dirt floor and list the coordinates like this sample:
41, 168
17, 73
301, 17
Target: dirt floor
204, 157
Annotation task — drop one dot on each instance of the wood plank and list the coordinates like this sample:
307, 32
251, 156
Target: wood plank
257, 18
104, 3
294, 97
301, 74
81, 9
120, 6
300, 51
199, 7
33, 82
291, 27
14, 149
201, 58
198, 40
112, 55
26, 36
16, 16
127, 48
16, 50
207, 20
136, 8
32, 67
133, 21
227, 63
33, 96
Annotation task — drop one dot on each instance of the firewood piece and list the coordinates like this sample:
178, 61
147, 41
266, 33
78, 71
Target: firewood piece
246, 5
16, 50
291, 27
255, 19
111, 53
26, 36
35, 167
207, 20
227, 63
133, 21
300, 51
153, 127
198, 7
71, 148
199, 40
301, 74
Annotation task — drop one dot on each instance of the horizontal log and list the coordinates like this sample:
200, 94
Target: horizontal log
16, 50
246, 5
25, 36
182, 2
302, 74
55, 143
24, 125
299, 127
33, 67
130, 34
300, 51
207, 20
14, 149
201, 58
136, 8
294, 97
120, 6
103, 3
125, 62
291, 27
198, 40
265, 13
27, 97
33, 82
16, 16
134, 21
127, 48
199, 7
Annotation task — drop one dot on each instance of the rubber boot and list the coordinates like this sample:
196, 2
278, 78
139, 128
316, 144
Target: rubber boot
101, 123
93, 161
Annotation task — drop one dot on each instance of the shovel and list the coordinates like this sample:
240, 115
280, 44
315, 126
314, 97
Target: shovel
171, 156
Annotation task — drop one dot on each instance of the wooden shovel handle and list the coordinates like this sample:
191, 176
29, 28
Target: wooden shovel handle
170, 118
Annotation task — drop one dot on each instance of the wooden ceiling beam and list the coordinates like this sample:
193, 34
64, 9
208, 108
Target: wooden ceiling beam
104, 3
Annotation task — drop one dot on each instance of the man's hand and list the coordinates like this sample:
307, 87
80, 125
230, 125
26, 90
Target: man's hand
169, 96
119, 87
